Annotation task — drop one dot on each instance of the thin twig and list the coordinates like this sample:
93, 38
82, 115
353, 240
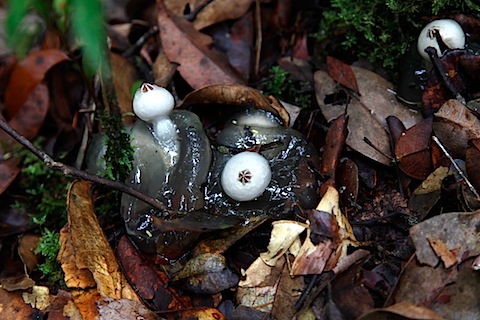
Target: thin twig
74, 172
464, 177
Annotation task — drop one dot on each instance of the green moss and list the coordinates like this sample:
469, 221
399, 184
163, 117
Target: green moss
48, 247
282, 87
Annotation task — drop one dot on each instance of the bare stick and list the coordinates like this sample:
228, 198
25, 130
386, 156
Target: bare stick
74, 172
464, 177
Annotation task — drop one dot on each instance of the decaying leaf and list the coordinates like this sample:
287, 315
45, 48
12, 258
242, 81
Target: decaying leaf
312, 259
198, 63
454, 125
402, 310
110, 309
342, 73
428, 192
367, 115
457, 230
283, 235
150, 284
412, 150
39, 298
206, 273
235, 95
259, 288
91, 249
472, 159
220, 10
443, 252
451, 293
27, 75
27, 121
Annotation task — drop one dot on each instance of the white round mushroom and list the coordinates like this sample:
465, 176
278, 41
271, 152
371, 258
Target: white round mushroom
245, 176
450, 32
153, 104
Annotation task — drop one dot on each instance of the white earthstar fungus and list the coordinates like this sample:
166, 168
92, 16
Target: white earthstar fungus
450, 32
245, 176
153, 104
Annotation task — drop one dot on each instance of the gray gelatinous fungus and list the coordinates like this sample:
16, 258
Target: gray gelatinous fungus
258, 167
289, 178
171, 163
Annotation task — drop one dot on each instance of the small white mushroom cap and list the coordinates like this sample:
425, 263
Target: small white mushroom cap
449, 30
245, 176
152, 102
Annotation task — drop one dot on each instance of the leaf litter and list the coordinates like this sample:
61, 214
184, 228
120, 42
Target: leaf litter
342, 260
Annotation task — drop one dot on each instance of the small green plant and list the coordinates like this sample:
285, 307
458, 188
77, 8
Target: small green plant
282, 87
49, 247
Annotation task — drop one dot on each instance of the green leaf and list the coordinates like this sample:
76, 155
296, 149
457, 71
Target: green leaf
88, 26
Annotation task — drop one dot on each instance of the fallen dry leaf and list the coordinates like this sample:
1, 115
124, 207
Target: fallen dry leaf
235, 95
150, 284
12, 304
451, 293
90, 246
412, 150
443, 252
342, 73
111, 309
39, 298
367, 115
457, 230
27, 121
221, 10
402, 310
27, 75
454, 125
283, 235
198, 62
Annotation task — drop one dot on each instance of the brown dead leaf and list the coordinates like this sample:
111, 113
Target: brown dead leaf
206, 273
284, 234
412, 150
259, 291
91, 248
367, 116
342, 73
151, 284
27, 121
163, 70
334, 142
124, 76
221, 10
402, 310
472, 159
111, 309
39, 298
27, 75
74, 276
451, 293
454, 125
12, 304
260, 274
443, 252
312, 259
287, 294
201, 314
446, 228
178, 7
27, 244
198, 62
235, 95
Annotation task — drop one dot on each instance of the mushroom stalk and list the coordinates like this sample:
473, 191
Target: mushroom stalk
153, 104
